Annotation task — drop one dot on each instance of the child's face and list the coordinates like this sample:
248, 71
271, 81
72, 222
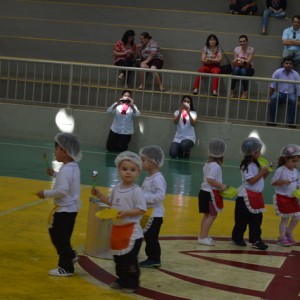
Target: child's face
147, 164
291, 163
60, 154
257, 154
128, 171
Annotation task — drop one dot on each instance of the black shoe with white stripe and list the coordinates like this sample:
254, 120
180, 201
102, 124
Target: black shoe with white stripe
60, 272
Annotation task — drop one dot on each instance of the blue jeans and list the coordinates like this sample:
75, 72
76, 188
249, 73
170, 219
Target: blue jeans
269, 13
240, 72
181, 150
278, 98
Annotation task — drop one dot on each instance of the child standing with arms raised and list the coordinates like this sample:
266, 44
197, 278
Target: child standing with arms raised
66, 194
127, 234
210, 201
154, 188
286, 180
249, 204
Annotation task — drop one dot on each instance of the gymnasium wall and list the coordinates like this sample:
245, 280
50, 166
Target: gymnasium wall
36, 123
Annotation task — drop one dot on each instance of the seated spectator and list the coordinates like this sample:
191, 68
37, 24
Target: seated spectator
243, 7
151, 58
124, 110
275, 9
282, 92
185, 119
242, 65
211, 58
124, 52
291, 42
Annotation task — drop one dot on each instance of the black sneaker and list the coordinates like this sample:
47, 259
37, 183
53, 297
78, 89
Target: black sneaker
260, 245
239, 243
149, 264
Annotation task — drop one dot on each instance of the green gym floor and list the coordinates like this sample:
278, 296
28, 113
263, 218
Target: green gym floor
188, 271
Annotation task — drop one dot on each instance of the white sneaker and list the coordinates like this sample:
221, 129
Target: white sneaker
206, 241
209, 237
60, 272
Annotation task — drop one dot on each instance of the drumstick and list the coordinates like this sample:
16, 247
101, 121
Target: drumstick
46, 160
94, 175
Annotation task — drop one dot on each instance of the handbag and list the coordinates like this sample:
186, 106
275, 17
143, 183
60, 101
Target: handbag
227, 68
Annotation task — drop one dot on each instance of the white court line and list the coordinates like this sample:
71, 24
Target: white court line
8, 211
99, 152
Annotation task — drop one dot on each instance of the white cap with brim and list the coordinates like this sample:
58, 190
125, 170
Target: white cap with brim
131, 156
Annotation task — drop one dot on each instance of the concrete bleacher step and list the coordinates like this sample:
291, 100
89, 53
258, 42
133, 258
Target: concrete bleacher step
180, 27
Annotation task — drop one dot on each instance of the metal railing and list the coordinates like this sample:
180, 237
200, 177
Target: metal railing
94, 86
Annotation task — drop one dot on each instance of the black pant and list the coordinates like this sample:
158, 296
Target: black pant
238, 8
127, 267
60, 233
242, 218
152, 249
117, 142
125, 63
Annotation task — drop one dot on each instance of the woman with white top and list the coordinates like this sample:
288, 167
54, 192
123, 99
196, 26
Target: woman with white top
185, 118
122, 127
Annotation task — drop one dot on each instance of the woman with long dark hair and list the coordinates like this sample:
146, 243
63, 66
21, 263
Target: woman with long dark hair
185, 119
125, 52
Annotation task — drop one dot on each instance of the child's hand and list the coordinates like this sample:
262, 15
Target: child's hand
224, 187
40, 194
264, 170
50, 172
122, 214
95, 192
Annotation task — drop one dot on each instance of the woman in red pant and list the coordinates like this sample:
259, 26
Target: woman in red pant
211, 58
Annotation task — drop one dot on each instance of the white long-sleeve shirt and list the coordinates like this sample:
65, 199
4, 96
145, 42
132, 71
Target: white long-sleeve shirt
123, 122
154, 188
66, 188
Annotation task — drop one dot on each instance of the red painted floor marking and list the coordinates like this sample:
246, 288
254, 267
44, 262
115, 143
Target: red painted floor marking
284, 285
105, 277
228, 262
214, 285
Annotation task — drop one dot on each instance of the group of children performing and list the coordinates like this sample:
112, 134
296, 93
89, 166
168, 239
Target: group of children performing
249, 204
132, 202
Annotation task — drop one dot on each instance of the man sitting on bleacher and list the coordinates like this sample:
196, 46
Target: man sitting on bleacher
282, 92
291, 42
